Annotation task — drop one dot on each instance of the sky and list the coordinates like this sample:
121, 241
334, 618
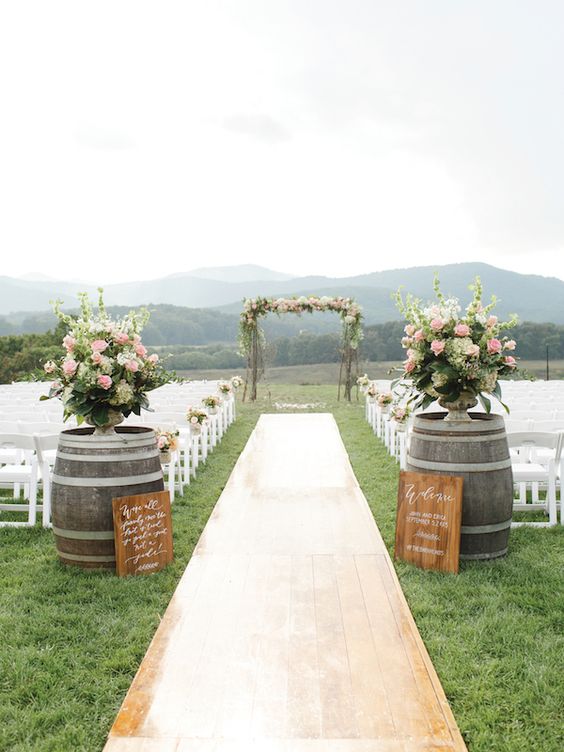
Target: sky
337, 137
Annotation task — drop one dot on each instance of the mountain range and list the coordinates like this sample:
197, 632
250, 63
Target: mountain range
532, 297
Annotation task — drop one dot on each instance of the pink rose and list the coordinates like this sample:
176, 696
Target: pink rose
69, 343
437, 324
510, 361
462, 330
132, 365
437, 346
193, 420
473, 350
97, 358
162, 442
69, 367
121, 338
406, 341
494, 346
409, 329
99, 345
104, 381
492, 321
140, 350
55, 385
510, 344
154, 358
419, 335
409, 366
49, 367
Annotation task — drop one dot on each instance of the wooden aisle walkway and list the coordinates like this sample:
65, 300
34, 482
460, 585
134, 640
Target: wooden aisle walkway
288, 631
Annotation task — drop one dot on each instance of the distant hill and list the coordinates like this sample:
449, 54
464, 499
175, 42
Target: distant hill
532, 297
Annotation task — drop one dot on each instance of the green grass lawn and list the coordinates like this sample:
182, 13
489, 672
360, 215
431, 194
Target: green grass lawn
72, 640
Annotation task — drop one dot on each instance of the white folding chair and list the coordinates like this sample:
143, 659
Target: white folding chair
528, 470
20, 473
46, 448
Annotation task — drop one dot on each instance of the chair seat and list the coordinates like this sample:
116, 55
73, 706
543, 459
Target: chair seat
529, 471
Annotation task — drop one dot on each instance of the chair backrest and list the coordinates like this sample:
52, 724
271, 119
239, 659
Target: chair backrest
43, 443
43, 427
530, 440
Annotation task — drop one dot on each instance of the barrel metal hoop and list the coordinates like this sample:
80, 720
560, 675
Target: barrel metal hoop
128, 480
83, 534
492, 555
459, 467
85, 557
493, 528
125, 457
105, 444
456, 439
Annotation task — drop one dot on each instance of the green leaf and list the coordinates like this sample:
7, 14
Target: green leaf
100, 415
485, 402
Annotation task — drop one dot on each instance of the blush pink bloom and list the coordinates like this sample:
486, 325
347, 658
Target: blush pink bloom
409, 329
69, 343
99, 345
462, 330
104, 381
154, 358
193, 420
473, 351
131, 365
121, 338
510, 344
491, 321
437, 324
437, 346
162, 442
49, 367
409, 366
69, 367
419, 335
97, 358
510, 361
140, 350
406, 341
494, 346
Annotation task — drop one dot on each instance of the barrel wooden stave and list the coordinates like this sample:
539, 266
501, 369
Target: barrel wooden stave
477, 452
89, 472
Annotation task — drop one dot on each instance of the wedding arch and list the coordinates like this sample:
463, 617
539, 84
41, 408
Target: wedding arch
252, 341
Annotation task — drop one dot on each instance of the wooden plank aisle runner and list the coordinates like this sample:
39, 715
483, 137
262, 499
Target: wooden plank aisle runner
288, 631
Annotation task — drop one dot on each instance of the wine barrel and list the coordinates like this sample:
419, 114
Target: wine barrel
90, 471
476, 451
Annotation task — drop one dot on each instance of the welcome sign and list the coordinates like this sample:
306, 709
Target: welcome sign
428, 520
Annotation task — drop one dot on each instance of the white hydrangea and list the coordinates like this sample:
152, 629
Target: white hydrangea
456, 350
123, 395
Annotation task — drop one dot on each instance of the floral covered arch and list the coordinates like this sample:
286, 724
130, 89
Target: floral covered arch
251, 336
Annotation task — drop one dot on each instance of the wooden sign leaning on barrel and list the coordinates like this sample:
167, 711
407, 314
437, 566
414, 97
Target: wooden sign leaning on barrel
428, 520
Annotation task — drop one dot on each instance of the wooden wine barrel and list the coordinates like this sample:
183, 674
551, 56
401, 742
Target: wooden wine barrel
90, 471
477, 451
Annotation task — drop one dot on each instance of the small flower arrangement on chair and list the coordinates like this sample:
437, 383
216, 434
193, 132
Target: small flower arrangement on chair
196, 418
212, 403
167, 442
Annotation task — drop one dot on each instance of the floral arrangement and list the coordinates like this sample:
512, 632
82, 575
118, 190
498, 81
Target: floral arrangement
450, 353
225, 387
372, 390
195, 416
236, 382
400, 413
254, 308
384, 399
363, 382
212, 402
106, 371
167, 441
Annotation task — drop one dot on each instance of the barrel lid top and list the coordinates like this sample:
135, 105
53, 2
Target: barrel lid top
123, 434
481, 422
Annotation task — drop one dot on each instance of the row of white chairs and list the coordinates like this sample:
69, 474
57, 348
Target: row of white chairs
536, 448
28, 450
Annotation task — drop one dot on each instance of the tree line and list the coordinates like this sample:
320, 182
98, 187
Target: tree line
22, 356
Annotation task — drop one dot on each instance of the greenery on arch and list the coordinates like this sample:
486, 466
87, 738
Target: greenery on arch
251, 336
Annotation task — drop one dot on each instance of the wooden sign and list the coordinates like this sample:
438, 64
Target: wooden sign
428, 520
143, 533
